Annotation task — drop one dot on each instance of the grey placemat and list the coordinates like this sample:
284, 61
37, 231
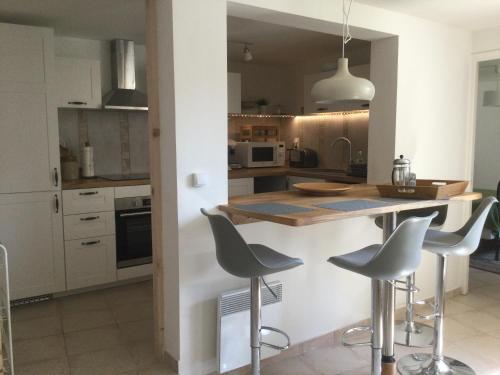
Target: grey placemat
273, 208
354, 205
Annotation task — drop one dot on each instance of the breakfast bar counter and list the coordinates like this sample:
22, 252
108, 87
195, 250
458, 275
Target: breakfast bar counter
294, 208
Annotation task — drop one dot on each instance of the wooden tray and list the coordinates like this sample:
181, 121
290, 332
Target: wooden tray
322, 188
425, 189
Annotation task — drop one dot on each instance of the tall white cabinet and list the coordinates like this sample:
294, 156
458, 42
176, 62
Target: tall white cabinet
30, 219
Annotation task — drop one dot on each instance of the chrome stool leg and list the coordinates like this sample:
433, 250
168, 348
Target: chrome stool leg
435, 363
255, 323
408, 332
377, 327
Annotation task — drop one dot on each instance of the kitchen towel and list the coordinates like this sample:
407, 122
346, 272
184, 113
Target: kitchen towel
273, 208
355, 205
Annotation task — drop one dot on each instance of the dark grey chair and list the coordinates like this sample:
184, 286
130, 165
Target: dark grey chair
398, 257
460, 243
408, 332
251, 261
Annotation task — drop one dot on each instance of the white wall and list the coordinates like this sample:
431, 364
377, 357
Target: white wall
427, 126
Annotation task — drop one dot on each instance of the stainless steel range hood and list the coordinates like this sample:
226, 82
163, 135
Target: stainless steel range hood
124, 94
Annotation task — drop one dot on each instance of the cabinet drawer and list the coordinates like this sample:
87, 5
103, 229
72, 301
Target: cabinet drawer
90, 261
89, 225
240, 186
81, 201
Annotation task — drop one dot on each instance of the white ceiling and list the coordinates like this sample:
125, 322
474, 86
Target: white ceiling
278, 45
94, 19
468, 14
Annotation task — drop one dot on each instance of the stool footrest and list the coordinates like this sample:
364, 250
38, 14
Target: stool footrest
273, 346
412, 289
356, 330
430, 316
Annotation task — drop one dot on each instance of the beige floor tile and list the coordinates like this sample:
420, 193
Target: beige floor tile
453, 307
51, 347
455, 330
36, 328
87, 320
133, 311
109, 361
334, 360
476, 300
35, 310
475, 283
478, 320
134, 293
158, 368
143, 352
485, 277
493, 310
48, 367
92, 340
481, 353
492, 291
290, 366
83, 302
360, 371
136, 331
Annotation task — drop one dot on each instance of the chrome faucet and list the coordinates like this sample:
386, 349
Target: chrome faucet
346, 140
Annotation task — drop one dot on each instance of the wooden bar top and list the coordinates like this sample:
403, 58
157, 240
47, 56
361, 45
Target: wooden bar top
320, 215
325, 174
97, 182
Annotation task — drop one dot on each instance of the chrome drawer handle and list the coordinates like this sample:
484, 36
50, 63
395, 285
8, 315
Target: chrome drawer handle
89, 243
89, 193
89, 218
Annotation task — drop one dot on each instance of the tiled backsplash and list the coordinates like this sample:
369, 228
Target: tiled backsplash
120, 139
316, 132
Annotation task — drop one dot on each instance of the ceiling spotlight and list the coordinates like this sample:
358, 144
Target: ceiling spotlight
247, 55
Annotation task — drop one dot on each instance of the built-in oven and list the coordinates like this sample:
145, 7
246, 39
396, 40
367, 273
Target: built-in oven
133, 231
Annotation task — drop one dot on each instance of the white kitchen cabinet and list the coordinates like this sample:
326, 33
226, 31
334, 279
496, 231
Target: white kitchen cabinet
240, 186
90, 261
292, 180
81, 201
234, 92
310, 106
31, 229
89, 225
29, 140
78, 83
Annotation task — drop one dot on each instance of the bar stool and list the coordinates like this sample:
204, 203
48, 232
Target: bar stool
460, 243
251, 261
398, 257
408, 332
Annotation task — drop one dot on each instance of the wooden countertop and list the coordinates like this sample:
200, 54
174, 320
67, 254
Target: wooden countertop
320, 215
97, 182
299, 172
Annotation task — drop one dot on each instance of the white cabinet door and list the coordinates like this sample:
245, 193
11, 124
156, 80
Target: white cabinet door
31, 230
240, 186
81, 201
29, 140
89, 225
90, 261
309, 80
78, 83
234, 92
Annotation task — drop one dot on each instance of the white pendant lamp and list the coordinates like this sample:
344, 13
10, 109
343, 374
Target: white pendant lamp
492, 98
343, 86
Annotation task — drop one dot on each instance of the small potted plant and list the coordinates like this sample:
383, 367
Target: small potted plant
262, 104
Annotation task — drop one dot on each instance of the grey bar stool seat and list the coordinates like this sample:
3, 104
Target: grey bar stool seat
251, 261
408, 332
397, 257
444, 244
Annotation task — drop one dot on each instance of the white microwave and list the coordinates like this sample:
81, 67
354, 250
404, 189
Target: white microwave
260, 154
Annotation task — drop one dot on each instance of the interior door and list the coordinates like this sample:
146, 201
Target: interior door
31, 230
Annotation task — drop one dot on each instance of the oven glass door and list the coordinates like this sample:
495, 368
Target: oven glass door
133, 237
263, 154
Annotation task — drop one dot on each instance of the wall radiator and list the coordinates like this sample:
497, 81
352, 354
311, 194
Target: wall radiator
233, 325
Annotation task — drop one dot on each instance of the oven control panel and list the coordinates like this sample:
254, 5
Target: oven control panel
131, 203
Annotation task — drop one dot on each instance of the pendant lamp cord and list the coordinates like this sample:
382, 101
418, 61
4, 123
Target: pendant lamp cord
346, 34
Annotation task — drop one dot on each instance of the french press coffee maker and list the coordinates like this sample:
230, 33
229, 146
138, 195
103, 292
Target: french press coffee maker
401, 173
